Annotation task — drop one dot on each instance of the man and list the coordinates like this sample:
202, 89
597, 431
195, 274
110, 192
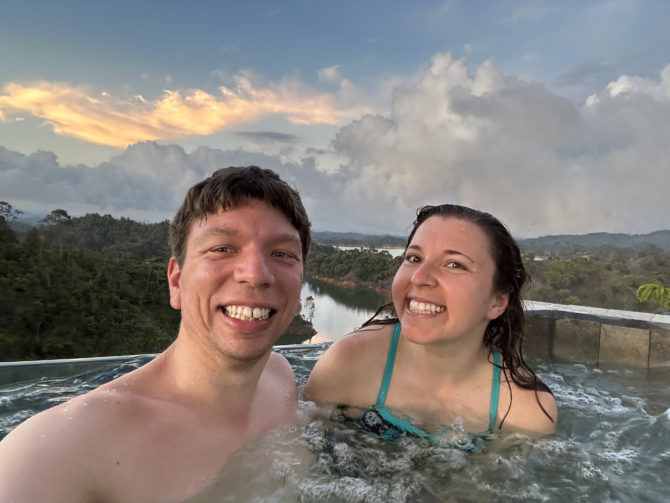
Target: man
164, 432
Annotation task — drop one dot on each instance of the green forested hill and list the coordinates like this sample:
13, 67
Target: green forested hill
96, 285
357, 239
603, 242
85, 287
57, 302
608, 280
105, 233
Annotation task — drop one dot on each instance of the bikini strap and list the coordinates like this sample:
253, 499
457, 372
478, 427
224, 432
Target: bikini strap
388, 370
495, 388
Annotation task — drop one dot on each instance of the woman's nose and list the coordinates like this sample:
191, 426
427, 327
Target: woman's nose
424, 274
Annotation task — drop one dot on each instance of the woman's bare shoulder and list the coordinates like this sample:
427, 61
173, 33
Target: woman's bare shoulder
532, 411
362, 340
342, 373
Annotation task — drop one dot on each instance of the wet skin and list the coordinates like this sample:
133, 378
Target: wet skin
248, 257
164, 432
443, 291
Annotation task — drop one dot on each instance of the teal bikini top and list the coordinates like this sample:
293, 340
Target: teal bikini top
380, 420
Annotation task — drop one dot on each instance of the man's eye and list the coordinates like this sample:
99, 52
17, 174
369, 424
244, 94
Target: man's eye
283, 254
223, 249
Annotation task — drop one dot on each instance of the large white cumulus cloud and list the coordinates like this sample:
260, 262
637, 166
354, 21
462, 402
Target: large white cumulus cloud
514, 148
472, 136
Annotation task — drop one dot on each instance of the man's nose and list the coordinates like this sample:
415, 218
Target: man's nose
253, 267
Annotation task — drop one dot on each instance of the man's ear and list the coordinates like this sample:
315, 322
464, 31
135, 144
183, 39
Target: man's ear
499, 303
174, 282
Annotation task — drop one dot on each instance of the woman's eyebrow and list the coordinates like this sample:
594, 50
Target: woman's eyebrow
448, 251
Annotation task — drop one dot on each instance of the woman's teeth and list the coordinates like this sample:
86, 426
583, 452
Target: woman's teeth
246, 313
424, 307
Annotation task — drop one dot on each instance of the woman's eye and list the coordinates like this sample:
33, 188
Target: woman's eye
455, 265
412, 259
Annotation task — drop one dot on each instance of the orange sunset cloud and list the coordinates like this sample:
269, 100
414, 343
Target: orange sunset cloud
73, 111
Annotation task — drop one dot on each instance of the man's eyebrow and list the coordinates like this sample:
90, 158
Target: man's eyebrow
215, 231
288, 238
230, 232
445, 252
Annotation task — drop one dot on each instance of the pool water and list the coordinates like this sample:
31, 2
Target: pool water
612, 444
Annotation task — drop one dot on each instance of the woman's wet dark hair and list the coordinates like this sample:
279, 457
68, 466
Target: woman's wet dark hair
507, 331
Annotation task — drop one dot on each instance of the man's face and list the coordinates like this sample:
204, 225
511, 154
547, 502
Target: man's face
239, 286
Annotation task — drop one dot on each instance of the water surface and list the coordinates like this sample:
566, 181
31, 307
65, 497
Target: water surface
612, 443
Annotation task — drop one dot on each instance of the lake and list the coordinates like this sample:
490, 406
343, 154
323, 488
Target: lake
335, 311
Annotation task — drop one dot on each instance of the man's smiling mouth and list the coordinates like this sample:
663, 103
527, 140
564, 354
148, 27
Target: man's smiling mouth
247, 313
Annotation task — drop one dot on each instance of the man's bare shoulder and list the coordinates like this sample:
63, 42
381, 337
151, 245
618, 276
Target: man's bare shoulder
278, 379
111, 405
61, 446
279, 366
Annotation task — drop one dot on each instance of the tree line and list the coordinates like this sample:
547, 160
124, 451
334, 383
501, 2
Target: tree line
88, 286
96, 285
609, 279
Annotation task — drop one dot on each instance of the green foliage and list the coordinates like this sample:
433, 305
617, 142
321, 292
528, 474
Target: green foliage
7, 212
88, 286
62, 301
56, 217
608, 281
654, 291
108, 234
357, 239
360, 266
78, 303
96, 285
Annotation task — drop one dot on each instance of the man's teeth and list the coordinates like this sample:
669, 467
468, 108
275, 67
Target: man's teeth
247, 313
424, 307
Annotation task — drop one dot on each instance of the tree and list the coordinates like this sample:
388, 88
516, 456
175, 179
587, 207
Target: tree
7, 212
654, 291
57, 216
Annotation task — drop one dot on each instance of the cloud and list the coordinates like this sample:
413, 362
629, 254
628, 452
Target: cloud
265, 137
146, 181
635, 86
330, 75
541, 163
73, 111
579, 81
473, 136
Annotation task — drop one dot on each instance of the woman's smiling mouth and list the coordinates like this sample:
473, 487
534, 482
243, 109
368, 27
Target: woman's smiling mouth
417, 307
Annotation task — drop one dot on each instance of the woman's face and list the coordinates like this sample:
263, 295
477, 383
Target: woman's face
444, 288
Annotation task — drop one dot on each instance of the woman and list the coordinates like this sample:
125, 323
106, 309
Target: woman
449, 348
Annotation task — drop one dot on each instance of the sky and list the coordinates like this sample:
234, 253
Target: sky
554, 116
